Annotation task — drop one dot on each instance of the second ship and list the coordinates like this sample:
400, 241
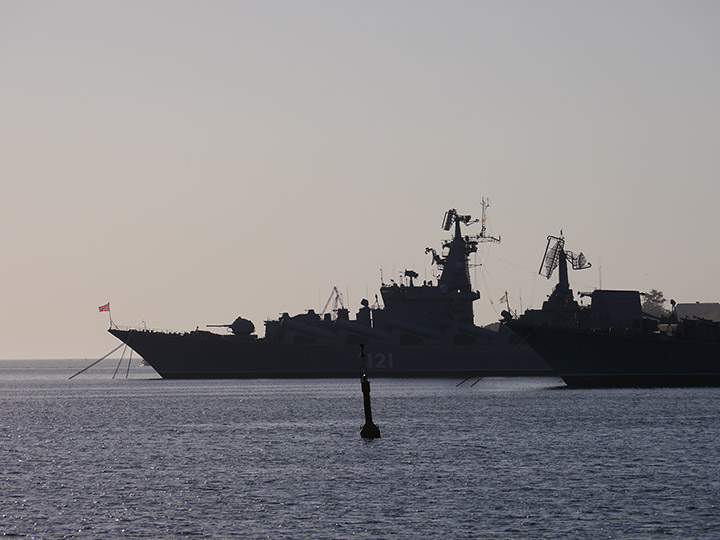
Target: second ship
422, 330
612, 342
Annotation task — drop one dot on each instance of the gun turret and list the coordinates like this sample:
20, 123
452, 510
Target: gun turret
239, 327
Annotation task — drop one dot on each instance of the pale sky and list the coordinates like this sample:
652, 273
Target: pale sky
190, 162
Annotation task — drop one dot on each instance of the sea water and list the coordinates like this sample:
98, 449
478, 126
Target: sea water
140, 457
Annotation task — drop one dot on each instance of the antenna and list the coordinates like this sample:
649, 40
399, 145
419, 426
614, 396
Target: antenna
555, 247
579, 261
485, 203
551, 258
450, 215
482, 237
410, 274
436, 259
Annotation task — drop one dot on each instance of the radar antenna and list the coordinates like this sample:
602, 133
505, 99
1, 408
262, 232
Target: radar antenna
551, 258
448, 219
410, 274
554, 250
579, 261
466, 244
451, 216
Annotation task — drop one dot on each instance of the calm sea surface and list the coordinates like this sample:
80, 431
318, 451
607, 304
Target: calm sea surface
140, 457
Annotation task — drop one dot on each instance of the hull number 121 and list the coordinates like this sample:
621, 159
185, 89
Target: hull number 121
380, 361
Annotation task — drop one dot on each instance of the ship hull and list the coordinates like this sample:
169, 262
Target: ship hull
591, 359
214, 356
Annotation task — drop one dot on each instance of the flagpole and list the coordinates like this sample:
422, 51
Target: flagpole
106, 307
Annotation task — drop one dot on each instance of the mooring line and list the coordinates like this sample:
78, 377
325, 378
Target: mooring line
464, 380
97, 361
497, 364
117, 368
127, 373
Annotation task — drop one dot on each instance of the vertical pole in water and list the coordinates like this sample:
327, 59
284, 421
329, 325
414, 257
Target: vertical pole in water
369, 430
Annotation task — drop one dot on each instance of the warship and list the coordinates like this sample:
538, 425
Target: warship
612, 342
418, 330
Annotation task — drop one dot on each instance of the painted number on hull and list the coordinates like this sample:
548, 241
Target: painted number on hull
380, 361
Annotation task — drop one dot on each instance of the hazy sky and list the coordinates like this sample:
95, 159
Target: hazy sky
190, 162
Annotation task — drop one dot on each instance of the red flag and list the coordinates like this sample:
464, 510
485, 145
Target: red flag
106, 307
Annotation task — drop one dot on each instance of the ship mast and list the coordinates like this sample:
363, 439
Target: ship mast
482, 237
432, 308
556, 256
455, 265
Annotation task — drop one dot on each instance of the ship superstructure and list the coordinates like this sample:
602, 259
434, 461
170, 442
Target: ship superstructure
439, 312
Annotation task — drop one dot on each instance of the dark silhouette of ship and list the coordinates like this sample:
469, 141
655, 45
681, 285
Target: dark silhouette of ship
611, 342
422, 330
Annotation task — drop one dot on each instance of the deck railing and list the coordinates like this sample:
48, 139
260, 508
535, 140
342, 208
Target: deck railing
146, 329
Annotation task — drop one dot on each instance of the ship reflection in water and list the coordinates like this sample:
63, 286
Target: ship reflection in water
612, 342
421, 330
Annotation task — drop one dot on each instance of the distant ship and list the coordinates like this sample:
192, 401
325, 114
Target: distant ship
421, 330
611, 342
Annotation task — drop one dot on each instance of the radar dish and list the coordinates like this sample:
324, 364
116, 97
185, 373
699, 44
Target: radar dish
552, 255
579, 261
448, 219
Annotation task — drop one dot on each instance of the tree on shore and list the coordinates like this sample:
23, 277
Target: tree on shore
654, 303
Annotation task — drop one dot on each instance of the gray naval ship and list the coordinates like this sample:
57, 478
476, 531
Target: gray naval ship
420, 330
612, 342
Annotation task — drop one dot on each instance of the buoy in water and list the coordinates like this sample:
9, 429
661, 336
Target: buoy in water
369, 430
